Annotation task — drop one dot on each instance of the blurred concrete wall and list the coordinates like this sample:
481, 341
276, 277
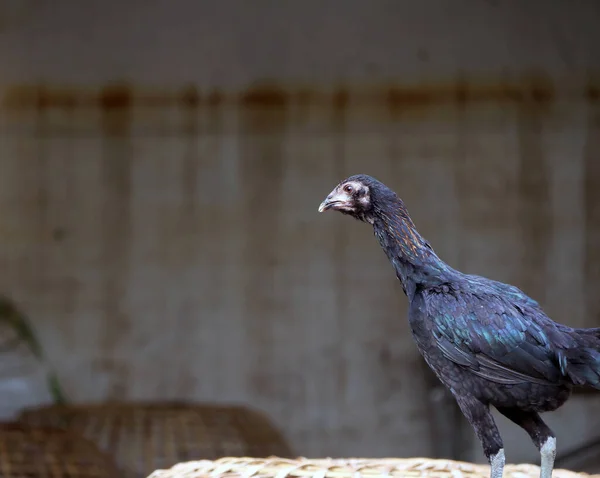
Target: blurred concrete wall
163, 233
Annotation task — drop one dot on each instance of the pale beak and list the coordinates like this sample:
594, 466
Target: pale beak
334, 200
324, 205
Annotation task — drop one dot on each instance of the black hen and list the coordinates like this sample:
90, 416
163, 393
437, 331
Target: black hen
487, 341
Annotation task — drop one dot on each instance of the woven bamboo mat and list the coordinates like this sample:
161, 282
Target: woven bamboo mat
142, 437
32, 452
274, 467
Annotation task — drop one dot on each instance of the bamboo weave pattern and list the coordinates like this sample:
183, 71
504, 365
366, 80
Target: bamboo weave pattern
275, 467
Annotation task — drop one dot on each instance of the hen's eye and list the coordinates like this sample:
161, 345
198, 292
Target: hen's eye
348, 188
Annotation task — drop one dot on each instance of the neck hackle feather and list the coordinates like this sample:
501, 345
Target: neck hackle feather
414, 260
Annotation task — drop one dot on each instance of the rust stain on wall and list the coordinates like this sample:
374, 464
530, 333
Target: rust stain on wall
37, 97
340, 109
116, 177
190, 97
341, 98
535, 212
190, 170
536, 87
262, 140
462, 91
116, 96
592, 89
265, 95
591, 186
462, 174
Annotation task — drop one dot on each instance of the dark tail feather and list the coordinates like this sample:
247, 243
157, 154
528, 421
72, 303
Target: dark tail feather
589, 333
583, 362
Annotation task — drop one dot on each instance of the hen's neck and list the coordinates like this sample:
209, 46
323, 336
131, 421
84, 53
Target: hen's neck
415, 262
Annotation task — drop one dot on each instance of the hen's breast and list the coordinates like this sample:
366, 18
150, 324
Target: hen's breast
460, 379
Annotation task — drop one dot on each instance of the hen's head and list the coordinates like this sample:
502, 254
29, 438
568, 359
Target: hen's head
357, 196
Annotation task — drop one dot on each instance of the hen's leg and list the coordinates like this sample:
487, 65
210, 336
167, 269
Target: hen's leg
540, 434
482, 421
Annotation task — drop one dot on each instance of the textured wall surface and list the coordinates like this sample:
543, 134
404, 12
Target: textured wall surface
231, 43
179, 254
167, 243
